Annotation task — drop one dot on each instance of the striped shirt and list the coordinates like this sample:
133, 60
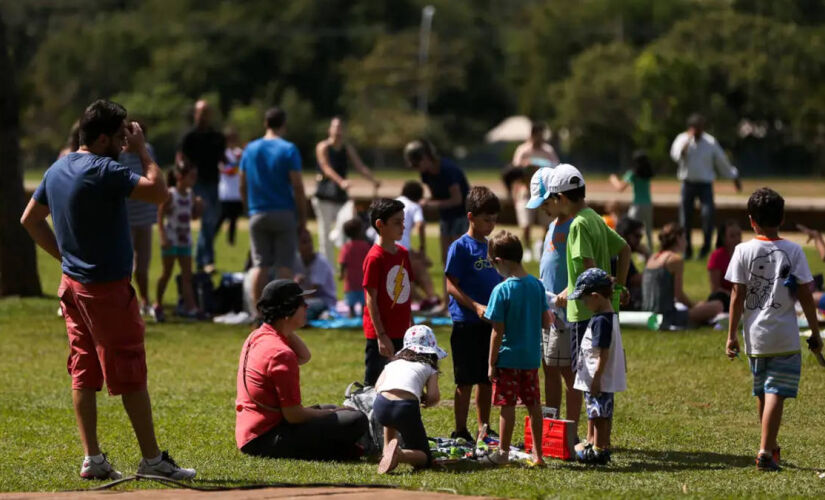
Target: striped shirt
139, 213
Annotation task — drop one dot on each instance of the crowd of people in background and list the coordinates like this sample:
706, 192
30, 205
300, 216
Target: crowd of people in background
106, 192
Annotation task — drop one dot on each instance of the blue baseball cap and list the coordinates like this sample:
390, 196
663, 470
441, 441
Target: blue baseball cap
539, 187
589, 281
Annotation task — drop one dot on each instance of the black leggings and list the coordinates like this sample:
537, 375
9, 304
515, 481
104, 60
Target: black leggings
230, 210
331, 437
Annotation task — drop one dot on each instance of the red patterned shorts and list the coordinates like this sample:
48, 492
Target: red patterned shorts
514, 384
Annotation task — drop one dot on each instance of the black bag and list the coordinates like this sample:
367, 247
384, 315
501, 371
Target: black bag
229, 294
328, 190
203, 289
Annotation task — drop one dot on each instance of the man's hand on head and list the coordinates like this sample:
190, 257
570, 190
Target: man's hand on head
135, 140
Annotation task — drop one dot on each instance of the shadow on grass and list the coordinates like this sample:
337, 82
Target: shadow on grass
664, 461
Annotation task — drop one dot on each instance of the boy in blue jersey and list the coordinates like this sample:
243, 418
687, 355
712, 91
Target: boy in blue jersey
470, 280
556, 352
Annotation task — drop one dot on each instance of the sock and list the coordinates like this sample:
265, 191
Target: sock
763, 452
154, 461
97, 459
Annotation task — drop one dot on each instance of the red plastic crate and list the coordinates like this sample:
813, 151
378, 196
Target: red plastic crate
558, 438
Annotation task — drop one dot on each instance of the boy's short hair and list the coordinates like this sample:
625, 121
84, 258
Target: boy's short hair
506, 246
382, 209
353, 228
481, 200
100, 118
605, 291
275, 118
766, 207
413, 191
575, 195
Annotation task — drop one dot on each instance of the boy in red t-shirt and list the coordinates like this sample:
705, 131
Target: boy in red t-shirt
352, 257
387, 278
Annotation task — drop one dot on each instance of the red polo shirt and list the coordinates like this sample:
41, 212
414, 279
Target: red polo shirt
273, 380
391, 275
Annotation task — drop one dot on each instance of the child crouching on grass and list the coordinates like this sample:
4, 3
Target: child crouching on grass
518, 311
769, 275
401, 391
601, 365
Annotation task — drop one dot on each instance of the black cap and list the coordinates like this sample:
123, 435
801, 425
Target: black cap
280, 291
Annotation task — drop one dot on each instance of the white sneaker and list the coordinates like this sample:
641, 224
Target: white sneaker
166, 468
103, 470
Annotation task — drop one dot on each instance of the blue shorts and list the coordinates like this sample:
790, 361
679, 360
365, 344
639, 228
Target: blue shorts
354, 297
600, 406
173, 251
776, 375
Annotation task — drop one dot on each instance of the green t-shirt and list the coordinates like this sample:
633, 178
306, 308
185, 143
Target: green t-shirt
641, 188
589, 237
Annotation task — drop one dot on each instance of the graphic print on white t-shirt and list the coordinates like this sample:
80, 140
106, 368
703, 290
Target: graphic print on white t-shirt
765, 269
398, 285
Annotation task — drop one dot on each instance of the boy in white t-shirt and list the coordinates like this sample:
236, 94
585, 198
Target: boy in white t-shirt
601, 370
769, 275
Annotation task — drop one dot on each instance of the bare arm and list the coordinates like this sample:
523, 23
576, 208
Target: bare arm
495, 344
300, 198
618, 184
34, 221
623, 265
546, 319
162, 208
326, 168
385, 347
816, 237
737, 305
242, 186
806, 300
422, 237
462, 298
353, 156
433, 394
596, 385
453, 201
298, 414
715, 276
677, 267
151, 187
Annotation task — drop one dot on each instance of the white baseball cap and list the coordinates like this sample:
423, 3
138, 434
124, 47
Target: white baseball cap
539, 187
565, 177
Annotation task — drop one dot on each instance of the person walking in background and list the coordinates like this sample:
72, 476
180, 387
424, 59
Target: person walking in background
85, 194
700, 159
334, 156
142, 216
532, 154
448, 191
273, 191
204, 147
229, 187
175, 216
641, 208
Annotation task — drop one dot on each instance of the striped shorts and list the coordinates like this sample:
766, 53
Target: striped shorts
776, 375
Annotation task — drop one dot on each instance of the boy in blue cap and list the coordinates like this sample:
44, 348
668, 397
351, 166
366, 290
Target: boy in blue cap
601, 365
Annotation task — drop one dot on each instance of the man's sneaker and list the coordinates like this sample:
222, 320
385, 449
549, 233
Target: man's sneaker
158, 314
462, 434
765, 462
103, 470
166, 468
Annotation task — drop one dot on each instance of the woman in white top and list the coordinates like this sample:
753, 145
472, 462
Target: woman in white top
401, 391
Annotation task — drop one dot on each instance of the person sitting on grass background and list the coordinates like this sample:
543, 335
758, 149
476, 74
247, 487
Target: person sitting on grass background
663, 284
174, 220
401, 393
387, 278
601, 365
351, 259
518, 311
727, 237
270, 420
769, 274
631, 231
313, 271
470, 281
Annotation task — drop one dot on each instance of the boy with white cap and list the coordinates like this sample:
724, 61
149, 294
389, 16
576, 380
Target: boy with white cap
590, 243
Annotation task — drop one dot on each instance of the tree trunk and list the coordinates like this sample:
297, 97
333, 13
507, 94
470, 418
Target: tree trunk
18, 260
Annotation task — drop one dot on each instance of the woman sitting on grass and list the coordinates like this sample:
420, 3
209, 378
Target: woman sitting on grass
728, 236
663, 280
270, 420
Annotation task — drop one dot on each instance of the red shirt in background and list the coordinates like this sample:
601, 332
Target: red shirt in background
719, 260
391, 275
273, 379
352, 256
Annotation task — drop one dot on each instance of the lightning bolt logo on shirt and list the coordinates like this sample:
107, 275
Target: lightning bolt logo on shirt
398, 285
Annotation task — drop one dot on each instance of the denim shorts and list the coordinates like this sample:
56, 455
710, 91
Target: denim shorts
776, 375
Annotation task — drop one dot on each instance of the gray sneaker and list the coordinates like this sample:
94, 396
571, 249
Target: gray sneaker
103, 470
166, 468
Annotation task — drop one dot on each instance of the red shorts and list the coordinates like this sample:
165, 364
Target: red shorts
513, 385
105, 335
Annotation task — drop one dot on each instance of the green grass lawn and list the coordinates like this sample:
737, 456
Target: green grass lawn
687, 423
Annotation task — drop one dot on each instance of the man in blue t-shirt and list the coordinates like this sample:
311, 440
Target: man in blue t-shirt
273, 191
448, 190
470, 280
85, 192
